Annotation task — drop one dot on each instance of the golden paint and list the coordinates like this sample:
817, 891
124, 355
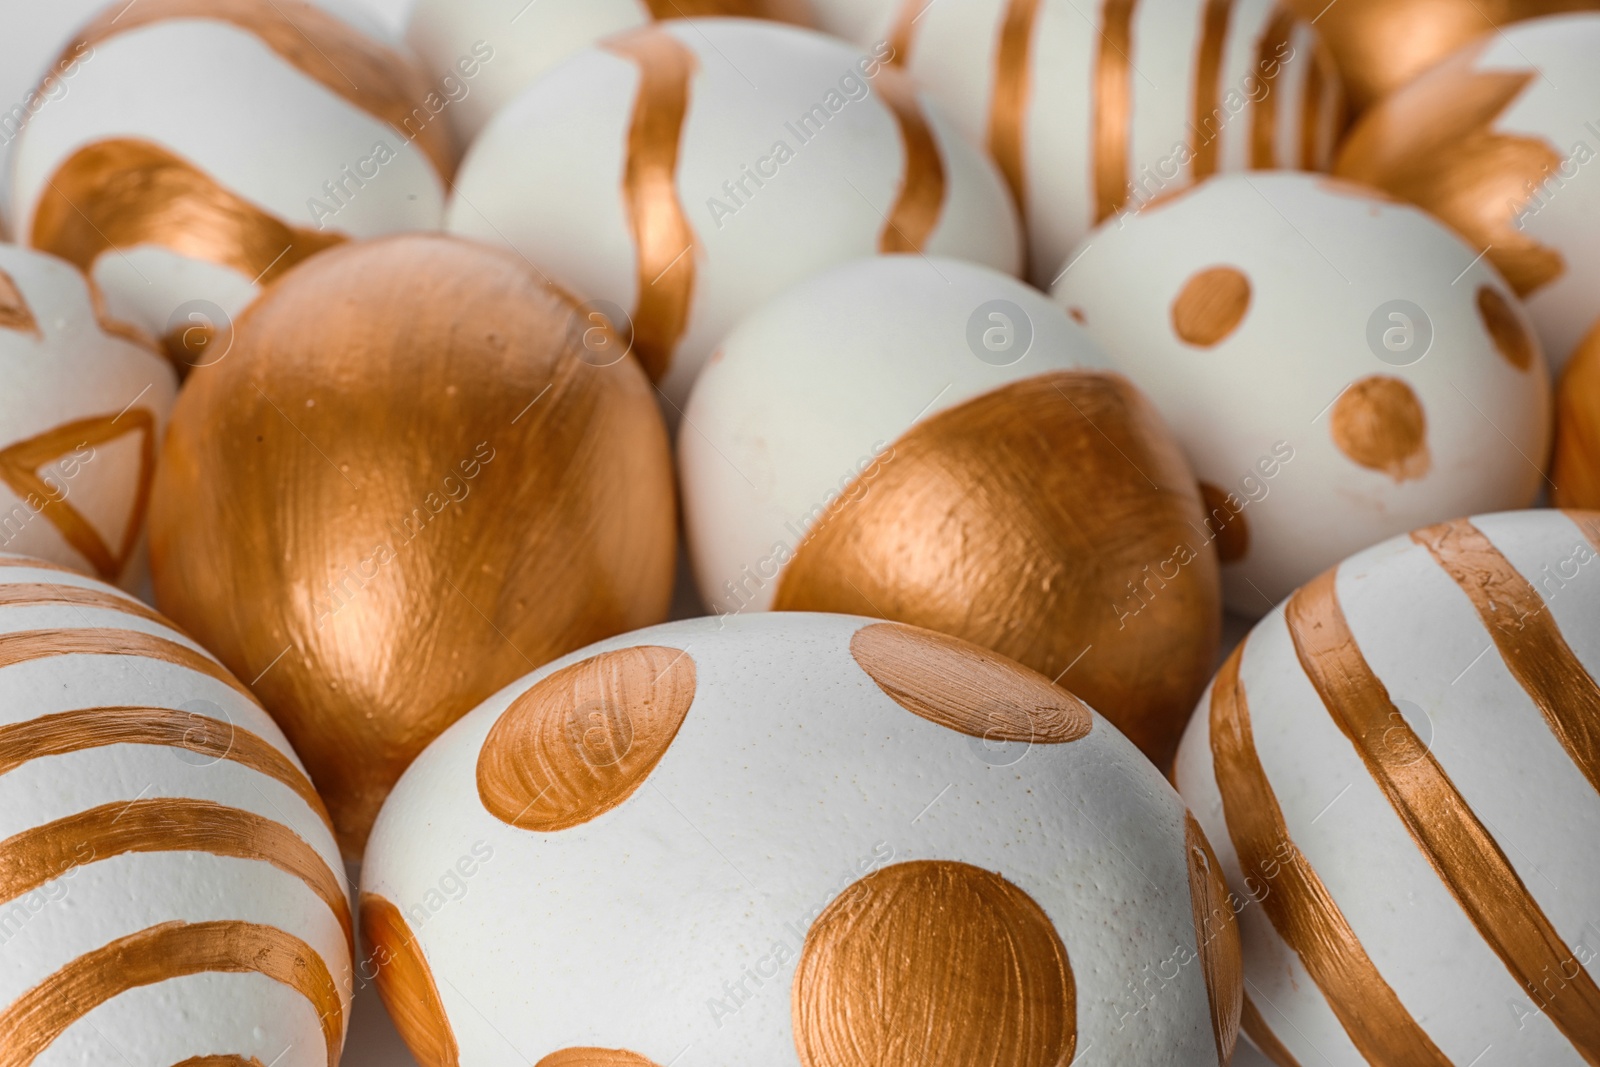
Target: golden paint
595, 1057
112, 326
38, 564
1433, 143
1264, 112
1575, 468
158, 954
665, 242
1505, 329
1256, 1027
1526, 636
1467, 858
39, 855
1112, 106
1216, 934
1046, 517
1210, 306
359, 69
219, 1061
1378, 422
1207, 88
77, 731
903, 28
962, 687
923, 187
777, 10
406, 984
1589, 523
28, 645
1008, 104
116, 194
584, 739
934, 962
1311, 103
410, 472
1298, 904
1227, 526
14, 311
42, 594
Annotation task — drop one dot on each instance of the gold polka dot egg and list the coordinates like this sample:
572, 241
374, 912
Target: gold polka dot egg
1339, 367
1399, 771
795, 839
170, 889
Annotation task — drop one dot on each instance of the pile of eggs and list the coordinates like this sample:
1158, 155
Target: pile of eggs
832, 533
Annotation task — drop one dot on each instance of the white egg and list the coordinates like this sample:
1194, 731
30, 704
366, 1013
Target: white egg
202, 148
795, 839
82, 414
1399, 768
1091, 110
170, 890
679, 175
1340, 368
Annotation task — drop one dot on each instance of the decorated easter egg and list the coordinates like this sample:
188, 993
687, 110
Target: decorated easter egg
1497, 141
795, 839
83, 408
210, 145
1575, 467
1092, 110
170, 888
677, 196
1339, 367
408, 483
1400, 773
934, 442
488, 50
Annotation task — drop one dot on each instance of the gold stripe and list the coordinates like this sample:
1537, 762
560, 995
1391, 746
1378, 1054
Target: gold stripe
219, 1061
1264, 112
40, 564
47, 594
1216, 932
1467, 858
1208, 88
27, 645
157, 954
1311, 115
1298, 904
666, 243
406, 984
1008, 108
1526, 635
36, 856
920, 202
1256, 1027
14, 311
903, 29
1588, 522
78, 731
1113, 107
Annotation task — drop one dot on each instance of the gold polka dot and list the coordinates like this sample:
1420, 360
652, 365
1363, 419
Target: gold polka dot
1078, 316
965, 688
934, 963
595, 1057
1379, 423
581, 741
1505, 328
1228, 526
406, 984
1217, 937
1211, 306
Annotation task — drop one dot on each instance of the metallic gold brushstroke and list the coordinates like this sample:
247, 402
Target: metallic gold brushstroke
583, 740
1575, 467
920, 201
1298, 904
359, 69
1008, 106
1467, 858
1526, 636
1210, 306
1039, 519
1379, 423
1311, 102
406, 985
595, 1057
1207, 90
903, 29
1264, 112
1216, 932
1113, 108
112, 326
158, 954
1252, 1023
1511, 340
39, 564
779, 10
45, 594
116, 194
28, 645
962, 687
665, 242
14, 311
88, 728
1227, 526
933, 962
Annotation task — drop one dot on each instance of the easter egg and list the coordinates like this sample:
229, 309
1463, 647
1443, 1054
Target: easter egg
934, 442
1497, 140
85, 402
408, 484
489, 50
1575, 467
205, 147
1091, 110
795, 839
1399, 771
676, 196
170, 889
1340, 368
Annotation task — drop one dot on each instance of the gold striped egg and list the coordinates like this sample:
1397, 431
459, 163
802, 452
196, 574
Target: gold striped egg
170, 887
801, 841
409, 482
1400, 770
1575, 468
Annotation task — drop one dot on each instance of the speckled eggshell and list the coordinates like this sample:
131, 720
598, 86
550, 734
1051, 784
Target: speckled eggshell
170, 890
1340, 368
618, 173
794, 839
85, 403
1093, 109
206, 146
1399, 771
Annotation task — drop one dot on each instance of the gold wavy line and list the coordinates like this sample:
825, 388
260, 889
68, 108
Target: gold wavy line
1207, 86
46, 594
27, 645
1008, 108
1113, 107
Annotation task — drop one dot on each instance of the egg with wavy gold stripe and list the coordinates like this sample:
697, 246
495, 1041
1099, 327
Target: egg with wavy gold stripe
170, 887
800, 840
